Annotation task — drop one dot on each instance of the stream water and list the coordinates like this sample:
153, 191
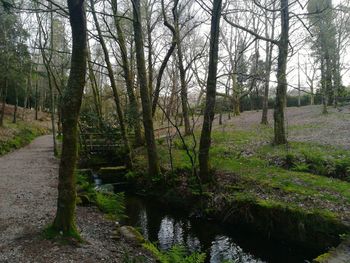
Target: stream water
166, 227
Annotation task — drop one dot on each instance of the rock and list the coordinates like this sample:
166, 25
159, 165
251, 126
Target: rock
341, 254
131, 234
105, 188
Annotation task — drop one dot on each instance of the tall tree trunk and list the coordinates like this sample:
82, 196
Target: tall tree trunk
268, 64
94, 87
153, 162
184, 95
299, 84
166, 58
128, 76
328, 87
3, 105
324, 86
128, 158
150, 50
52, 111
36, 98
14, 119
205, 141
50, 76
279, 125
72, 96
336, 77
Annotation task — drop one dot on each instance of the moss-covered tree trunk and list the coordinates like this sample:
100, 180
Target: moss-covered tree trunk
209, 110
72, 96
153, 162
127, 150
279, 125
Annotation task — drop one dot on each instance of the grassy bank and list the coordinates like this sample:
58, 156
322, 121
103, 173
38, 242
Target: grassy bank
14, 136
300, 202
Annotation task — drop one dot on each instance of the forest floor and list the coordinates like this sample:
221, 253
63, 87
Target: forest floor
306, 124
28, 194
303, 124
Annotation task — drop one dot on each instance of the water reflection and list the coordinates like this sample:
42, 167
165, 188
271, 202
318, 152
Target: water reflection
223, 248
167, 227
168, 230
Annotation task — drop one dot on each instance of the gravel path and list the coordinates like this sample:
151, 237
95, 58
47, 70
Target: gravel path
28, 191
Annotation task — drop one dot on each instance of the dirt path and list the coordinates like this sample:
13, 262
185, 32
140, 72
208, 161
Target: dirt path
28, 179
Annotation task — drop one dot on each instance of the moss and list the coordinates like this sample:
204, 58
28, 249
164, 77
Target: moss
139, 238
51, 233
322, 258
314, 229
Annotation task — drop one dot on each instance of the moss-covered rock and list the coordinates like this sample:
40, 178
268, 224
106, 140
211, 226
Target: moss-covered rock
341, 254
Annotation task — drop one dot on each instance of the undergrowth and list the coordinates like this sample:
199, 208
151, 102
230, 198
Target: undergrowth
22, 135
177, 254
112, 204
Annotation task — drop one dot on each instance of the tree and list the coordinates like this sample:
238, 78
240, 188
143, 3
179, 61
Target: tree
152, 154
14, 56
325, 48
268, 63
281, 91
280, 103
72, 96
205, 141
180, 58
166, 58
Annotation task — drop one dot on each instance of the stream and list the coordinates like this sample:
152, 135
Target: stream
165, 227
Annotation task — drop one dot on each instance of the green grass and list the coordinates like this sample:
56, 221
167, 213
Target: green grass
247, 155
309, 157
20, 134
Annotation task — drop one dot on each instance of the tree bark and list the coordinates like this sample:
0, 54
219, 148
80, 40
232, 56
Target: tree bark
279, 125
4, 95
268, 63
205, 141
65, 216
153, 162
166, 58
184, 98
